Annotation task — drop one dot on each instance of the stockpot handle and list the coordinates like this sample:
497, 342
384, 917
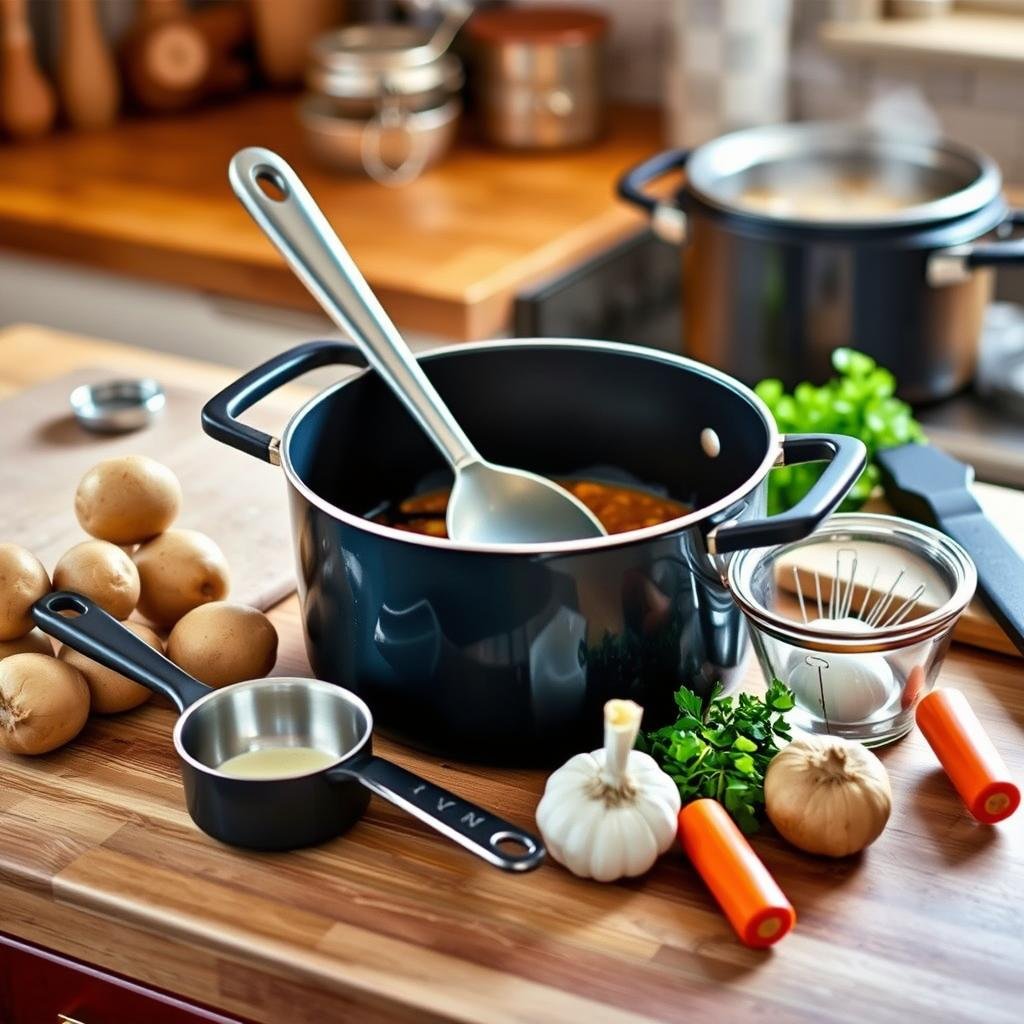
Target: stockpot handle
470, 826
950, 266
100, 636
220, 412
846, 457
667, 221
1010, 250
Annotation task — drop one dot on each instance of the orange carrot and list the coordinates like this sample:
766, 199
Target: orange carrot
971, 761
751, 899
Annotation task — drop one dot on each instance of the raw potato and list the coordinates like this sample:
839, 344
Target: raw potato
110, 691
128, 499
179, 570
223, 643
35, 642
43, 703
100, 571
23, 581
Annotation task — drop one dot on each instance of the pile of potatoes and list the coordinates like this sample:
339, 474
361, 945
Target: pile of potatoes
136, 561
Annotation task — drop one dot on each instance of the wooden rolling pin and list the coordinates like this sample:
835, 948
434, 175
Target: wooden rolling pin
27, 102
87, 79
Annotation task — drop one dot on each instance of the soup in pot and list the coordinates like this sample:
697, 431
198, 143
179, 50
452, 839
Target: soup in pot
619, 508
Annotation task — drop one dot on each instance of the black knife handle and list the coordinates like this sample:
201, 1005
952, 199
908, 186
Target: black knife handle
1000, 569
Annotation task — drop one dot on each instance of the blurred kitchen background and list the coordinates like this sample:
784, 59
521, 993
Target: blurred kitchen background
474, 182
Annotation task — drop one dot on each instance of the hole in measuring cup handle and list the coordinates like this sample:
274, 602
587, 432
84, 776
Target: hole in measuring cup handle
515, 843
472, 827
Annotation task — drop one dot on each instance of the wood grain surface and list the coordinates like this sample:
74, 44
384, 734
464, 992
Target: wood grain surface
446, 254
99, 860
242, 507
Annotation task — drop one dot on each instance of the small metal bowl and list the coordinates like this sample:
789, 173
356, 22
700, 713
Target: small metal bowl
118, 406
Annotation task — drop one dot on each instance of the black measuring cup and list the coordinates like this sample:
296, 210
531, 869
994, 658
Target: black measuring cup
284, 812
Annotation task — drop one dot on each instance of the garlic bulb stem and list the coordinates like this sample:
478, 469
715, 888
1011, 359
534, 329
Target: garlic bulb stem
621, 725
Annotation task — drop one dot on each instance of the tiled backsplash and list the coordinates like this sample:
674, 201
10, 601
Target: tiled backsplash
638, 44
982, 106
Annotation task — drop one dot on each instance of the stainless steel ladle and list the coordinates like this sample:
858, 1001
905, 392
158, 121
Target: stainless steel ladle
489, 504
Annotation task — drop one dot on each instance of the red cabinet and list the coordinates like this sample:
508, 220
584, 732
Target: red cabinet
40, 987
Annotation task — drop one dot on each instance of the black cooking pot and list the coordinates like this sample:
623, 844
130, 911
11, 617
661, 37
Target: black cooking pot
800, 238
508, 654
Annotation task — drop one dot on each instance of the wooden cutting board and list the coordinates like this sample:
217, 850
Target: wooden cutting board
238, 501
1003, 506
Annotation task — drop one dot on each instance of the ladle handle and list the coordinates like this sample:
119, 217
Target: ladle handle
100, 636
297, 226
470, 826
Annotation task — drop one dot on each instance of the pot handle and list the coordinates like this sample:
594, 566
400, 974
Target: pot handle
667, 221
100, 636
950, 266
470, 826
846, 457
220, 412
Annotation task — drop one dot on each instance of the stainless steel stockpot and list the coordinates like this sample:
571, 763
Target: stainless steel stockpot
508, 653
800, 238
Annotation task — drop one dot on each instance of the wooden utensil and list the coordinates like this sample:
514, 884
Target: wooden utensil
87, 79
284, 31
172, 58
27, 103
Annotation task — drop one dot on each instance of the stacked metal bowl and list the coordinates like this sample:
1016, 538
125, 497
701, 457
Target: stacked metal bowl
382, 100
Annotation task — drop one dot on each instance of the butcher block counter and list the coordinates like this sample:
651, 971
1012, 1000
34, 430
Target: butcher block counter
446, 255
390, 922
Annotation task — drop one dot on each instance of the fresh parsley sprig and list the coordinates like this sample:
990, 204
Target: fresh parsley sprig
721, 747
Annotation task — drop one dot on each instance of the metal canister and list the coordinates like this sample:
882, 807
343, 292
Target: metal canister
538, 76
383, 98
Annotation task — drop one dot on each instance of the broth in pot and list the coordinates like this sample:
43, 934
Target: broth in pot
619, 508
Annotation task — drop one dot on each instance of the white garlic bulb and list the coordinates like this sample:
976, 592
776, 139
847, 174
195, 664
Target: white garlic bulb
610, 813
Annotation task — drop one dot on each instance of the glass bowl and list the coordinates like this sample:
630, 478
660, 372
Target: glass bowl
856, 619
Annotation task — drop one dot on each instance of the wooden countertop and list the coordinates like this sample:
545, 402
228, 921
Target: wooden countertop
445, 254
99, 860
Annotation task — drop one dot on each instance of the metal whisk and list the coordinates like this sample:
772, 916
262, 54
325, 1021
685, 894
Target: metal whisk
840, 597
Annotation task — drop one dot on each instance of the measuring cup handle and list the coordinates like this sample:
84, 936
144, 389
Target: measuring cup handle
470, 826
100, 636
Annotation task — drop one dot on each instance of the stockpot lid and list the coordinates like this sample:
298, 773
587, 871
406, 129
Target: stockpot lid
364, 61
837, 175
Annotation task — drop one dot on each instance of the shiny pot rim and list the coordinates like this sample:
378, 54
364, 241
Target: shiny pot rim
403, 63
738, 152
772, 454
